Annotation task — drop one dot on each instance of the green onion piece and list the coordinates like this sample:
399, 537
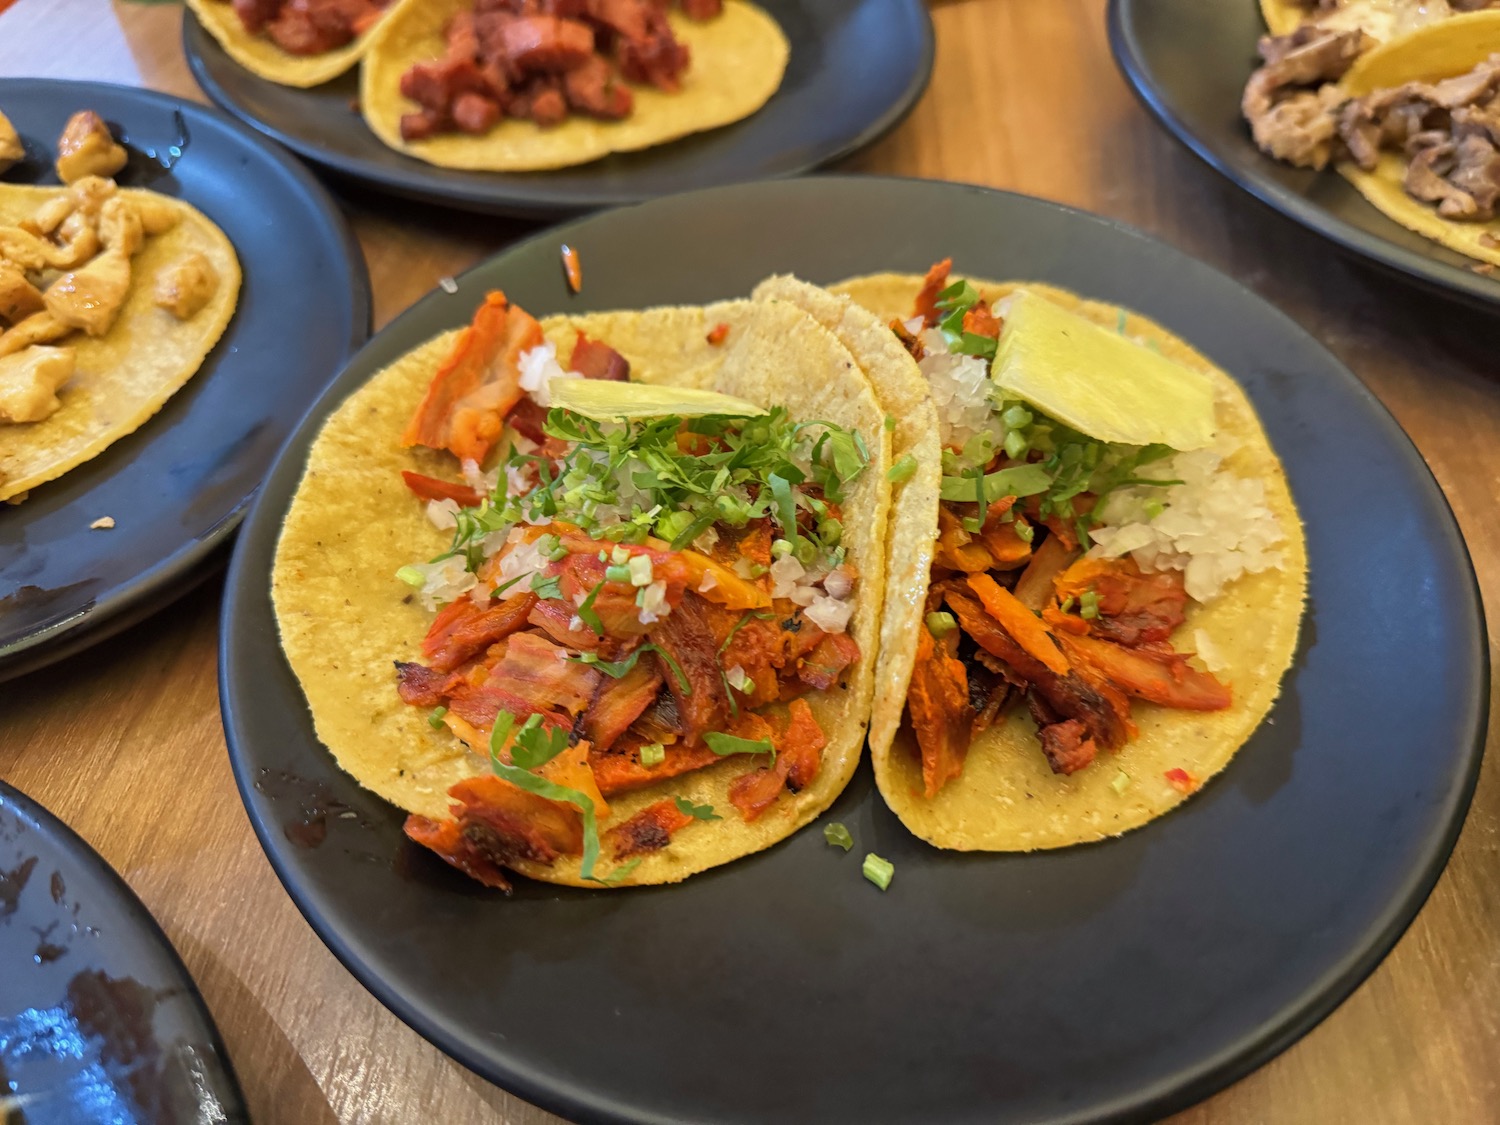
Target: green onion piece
1088, 604
940, 624
890, 423
972, 524
878, 871
653, 754
697, 812
780, 548
619, 556
902, 469
1018, 481
1015, 444
1068, 603
831, 531
1016, 416
617, 574
586, 612
971, 343
412, 576
640, 570
958, 295
435, 719
1025, 532
837, 835
1154, 508
1121, 782
727, 744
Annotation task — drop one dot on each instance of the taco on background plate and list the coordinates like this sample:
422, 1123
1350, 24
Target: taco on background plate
295, 42
1118, 570
110, 300
1413, 123
597, 599
1380, 20
481, 87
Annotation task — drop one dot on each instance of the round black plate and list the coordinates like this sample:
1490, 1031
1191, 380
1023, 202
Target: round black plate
857, 67
178, 486
1188, 61
1119, 980
99, 1020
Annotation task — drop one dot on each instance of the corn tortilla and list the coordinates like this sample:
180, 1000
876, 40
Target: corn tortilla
344, 619
261, 56
124, 376
1007, 798
738, 59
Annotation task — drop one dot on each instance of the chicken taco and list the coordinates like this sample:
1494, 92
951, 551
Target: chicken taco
1413, 123
1118, 570
110, 299
295, 42
596, 599
498, 85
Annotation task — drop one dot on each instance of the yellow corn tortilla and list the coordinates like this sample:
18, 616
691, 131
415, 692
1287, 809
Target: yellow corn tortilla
738, 59
1007, 798
261, 56
344, 618
123, 377
1432, 54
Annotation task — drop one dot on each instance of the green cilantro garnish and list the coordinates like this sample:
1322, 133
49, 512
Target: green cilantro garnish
546, 586
618, 668
697, 812
837, 835
586, 612
727, 744
504, 586
878, 871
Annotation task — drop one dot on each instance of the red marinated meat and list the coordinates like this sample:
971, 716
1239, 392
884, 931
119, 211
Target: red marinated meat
595, 360
546, 44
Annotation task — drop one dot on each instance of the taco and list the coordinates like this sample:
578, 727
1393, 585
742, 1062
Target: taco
1413, 123
481, 87
1091, 646
110, 299
638, 636
295, 42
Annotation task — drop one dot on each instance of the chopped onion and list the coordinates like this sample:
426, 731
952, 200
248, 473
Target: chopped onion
441, 513
840, 582
785, 572
830, 614
653, 603
537, 366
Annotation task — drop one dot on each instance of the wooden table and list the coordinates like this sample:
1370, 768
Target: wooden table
124, 742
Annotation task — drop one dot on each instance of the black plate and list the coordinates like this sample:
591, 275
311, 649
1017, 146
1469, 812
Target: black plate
857, 67
1188, 61
99, 1020
179, 485
1119, 980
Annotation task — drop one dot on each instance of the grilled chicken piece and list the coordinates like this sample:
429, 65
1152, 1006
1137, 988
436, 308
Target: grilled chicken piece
120, 226
18, 297
80, 242
184, 287
29, 380
38, 328
91, 297
87, 149
11, 149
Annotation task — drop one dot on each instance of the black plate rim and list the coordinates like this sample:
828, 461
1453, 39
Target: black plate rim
1275, 1034
175, 575
1428, 272
80, 851
428, 185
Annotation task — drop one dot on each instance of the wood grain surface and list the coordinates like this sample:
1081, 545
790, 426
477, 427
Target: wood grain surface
124, 742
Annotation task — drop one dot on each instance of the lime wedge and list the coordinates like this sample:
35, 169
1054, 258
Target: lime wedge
1097, 381
602, 399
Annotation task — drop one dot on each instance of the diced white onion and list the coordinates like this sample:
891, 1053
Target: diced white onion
441, 513
654, 603
830, 614
538, 365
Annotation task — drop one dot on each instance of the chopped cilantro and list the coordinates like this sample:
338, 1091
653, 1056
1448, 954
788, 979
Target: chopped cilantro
727, 744
586, 612
697, 812
545, 586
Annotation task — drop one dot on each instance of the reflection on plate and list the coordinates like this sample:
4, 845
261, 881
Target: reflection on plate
100, 1024
1172, 960
856, 68
177, 487
1188, 63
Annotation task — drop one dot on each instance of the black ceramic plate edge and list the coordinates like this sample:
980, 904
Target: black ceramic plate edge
1274, 1035
1435, 276
71, 844
182, 571
428, 185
